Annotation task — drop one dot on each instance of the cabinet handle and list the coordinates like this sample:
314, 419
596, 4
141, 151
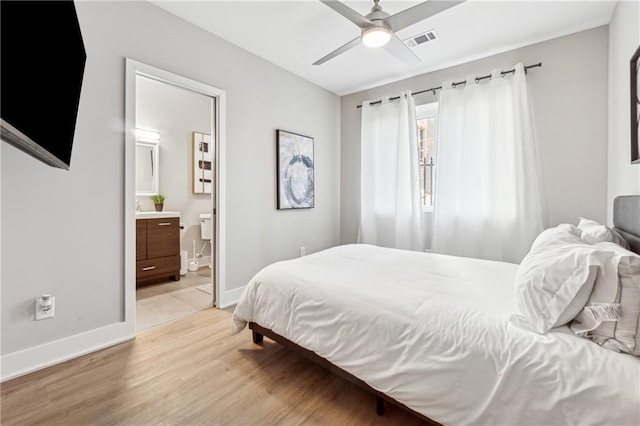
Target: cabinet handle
164, 224
148, 268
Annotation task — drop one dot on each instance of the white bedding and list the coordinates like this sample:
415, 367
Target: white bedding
433, 332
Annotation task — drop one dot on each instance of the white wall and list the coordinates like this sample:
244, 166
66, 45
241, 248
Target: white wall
176, 113
624, 38
63, 232
569, 96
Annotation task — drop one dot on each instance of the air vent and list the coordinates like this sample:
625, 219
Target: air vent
423, 38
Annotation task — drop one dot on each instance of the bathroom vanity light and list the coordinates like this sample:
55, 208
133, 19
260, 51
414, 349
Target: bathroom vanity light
147, 135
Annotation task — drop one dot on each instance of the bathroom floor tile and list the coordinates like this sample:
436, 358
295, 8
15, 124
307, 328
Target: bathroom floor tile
163, 302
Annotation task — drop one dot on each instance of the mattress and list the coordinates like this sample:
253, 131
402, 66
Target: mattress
432, 331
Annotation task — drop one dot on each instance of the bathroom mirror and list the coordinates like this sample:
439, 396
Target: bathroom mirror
147, 168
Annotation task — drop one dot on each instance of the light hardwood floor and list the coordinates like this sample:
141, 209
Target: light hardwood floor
191, 372
163, 302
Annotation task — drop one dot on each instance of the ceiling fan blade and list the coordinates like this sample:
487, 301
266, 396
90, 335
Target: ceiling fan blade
340, 50
400, 50
348, 13
419, 13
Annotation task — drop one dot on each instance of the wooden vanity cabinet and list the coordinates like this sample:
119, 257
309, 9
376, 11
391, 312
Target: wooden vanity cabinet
157, 249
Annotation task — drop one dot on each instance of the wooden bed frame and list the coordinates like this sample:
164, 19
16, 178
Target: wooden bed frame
259, 332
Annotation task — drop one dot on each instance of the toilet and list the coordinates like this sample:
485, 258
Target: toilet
206, 226
206, 229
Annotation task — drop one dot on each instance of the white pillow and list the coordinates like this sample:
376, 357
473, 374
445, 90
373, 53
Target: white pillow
594, 232
555, 279
564, 233
611, 317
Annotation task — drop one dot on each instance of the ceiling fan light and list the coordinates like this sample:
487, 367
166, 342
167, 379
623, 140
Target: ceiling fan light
376, 36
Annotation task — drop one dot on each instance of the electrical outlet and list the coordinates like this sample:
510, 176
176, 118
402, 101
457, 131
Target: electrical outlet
41, 307
302, 251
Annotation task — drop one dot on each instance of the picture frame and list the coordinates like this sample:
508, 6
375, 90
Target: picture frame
203, 165
295, 170
635, 106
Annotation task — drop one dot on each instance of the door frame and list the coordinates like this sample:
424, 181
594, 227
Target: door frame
218, 123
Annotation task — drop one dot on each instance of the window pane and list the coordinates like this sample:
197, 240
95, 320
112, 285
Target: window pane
426, 145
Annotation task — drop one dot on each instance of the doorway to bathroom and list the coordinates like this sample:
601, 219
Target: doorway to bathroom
176, 196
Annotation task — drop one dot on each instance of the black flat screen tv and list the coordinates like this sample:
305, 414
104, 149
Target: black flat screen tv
42, 66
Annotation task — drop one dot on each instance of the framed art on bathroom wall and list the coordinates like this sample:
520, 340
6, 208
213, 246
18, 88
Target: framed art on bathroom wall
202, 163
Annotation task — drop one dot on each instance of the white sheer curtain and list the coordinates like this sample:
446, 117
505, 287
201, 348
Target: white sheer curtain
489, 200
390, 206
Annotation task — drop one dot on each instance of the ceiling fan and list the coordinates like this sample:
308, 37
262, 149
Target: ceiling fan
378, 28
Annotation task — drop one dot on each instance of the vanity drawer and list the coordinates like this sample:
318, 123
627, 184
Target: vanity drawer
163, 237
169, 265
141, 239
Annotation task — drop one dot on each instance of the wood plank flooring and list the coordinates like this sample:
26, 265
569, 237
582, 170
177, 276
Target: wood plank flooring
190, 372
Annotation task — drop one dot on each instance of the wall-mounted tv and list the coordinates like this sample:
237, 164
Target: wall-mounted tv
42, 61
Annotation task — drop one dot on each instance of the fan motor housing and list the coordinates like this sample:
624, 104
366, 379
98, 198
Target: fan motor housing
377, 15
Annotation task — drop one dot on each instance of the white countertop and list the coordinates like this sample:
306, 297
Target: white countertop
156, 215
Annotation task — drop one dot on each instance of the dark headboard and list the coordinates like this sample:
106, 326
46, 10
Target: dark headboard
626, 219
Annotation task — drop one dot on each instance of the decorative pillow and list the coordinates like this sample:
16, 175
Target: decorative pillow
611, 316
555, 279
594, 232
564, 233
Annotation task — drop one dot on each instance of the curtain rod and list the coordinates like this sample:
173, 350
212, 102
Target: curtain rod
478, 79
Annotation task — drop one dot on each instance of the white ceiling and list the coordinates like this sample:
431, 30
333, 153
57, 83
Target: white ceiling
294, 34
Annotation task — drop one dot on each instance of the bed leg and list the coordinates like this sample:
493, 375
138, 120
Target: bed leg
257, 337
379, 406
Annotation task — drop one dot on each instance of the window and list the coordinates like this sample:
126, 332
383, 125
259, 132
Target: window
427, 120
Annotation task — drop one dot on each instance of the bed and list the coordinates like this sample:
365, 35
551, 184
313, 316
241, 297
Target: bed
432, 334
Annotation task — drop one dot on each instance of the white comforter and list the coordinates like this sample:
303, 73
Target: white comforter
433, 332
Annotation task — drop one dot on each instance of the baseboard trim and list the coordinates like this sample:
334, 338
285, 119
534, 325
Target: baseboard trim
42, 356
231, 297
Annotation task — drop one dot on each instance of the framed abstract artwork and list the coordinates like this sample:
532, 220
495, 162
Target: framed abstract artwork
635, 106
203, 151
295, 169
